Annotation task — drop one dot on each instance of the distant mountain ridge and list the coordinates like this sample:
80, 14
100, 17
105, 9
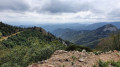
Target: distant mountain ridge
73, 26
87, 37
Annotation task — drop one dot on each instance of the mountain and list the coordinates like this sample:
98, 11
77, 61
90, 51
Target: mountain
52, 27
74, 26
29, 45
93, 37
6, 29
66, 32
87, 37
110, 43
97, 25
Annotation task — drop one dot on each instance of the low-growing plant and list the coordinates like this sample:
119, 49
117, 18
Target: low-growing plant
73, 57
77, 48
98, 52
72, 63
106, 64
102, 64
94, 66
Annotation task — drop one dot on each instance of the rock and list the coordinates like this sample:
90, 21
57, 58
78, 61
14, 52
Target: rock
115, 51
109, 52
81, 60
83, 51
50, 65
91, 53
40, 62
60, 52
45, 61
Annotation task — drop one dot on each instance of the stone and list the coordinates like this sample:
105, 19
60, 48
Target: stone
50, 65
81, 60
83, 51
60, 52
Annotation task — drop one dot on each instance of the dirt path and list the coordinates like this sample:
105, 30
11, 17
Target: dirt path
76, 59
5, 38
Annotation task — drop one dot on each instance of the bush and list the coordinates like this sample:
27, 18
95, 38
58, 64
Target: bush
103, 64
77, 48
106, 64
23, 56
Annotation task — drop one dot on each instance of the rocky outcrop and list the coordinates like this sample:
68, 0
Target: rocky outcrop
63, 58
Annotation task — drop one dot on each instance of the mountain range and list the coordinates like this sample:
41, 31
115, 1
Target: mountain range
74, 26
86, 37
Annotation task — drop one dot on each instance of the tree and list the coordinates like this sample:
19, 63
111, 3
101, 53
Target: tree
0, 34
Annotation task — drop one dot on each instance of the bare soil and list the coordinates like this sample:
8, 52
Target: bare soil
63, 58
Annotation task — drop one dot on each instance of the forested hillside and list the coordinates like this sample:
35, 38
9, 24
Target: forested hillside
110, 43
30, 45
6, 29
87, 37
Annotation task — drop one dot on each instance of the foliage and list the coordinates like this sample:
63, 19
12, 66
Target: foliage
29, 46
74, 58
98, 52
77, 48
107, 64
85, 37
6, 29
102, 64
110, 43
0, 34
23, 56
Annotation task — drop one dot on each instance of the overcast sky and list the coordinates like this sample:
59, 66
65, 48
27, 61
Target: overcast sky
59, 11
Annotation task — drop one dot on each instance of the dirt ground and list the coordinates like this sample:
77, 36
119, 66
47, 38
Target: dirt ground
63, 58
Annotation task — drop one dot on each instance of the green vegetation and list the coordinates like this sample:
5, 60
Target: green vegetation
102, 64
0, 34
86, 37
29, 46
74, 58
110, 43
77, 48
107, 64
23, 56
6, 29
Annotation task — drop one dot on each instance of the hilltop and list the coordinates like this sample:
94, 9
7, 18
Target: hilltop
63, 58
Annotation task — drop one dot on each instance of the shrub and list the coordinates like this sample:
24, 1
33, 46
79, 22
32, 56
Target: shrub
103, 64
77, 48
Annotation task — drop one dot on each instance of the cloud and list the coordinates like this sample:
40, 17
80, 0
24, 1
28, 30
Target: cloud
61, 6
62, 11
13, 5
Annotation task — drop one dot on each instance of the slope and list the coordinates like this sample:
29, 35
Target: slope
29, 46
110, 43
7, 30
88, 38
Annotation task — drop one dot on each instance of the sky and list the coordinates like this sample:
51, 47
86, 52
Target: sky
59, 11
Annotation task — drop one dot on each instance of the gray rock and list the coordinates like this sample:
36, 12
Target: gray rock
83, 51
81, 60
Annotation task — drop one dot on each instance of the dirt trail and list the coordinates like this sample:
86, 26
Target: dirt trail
76, 59
5, 38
